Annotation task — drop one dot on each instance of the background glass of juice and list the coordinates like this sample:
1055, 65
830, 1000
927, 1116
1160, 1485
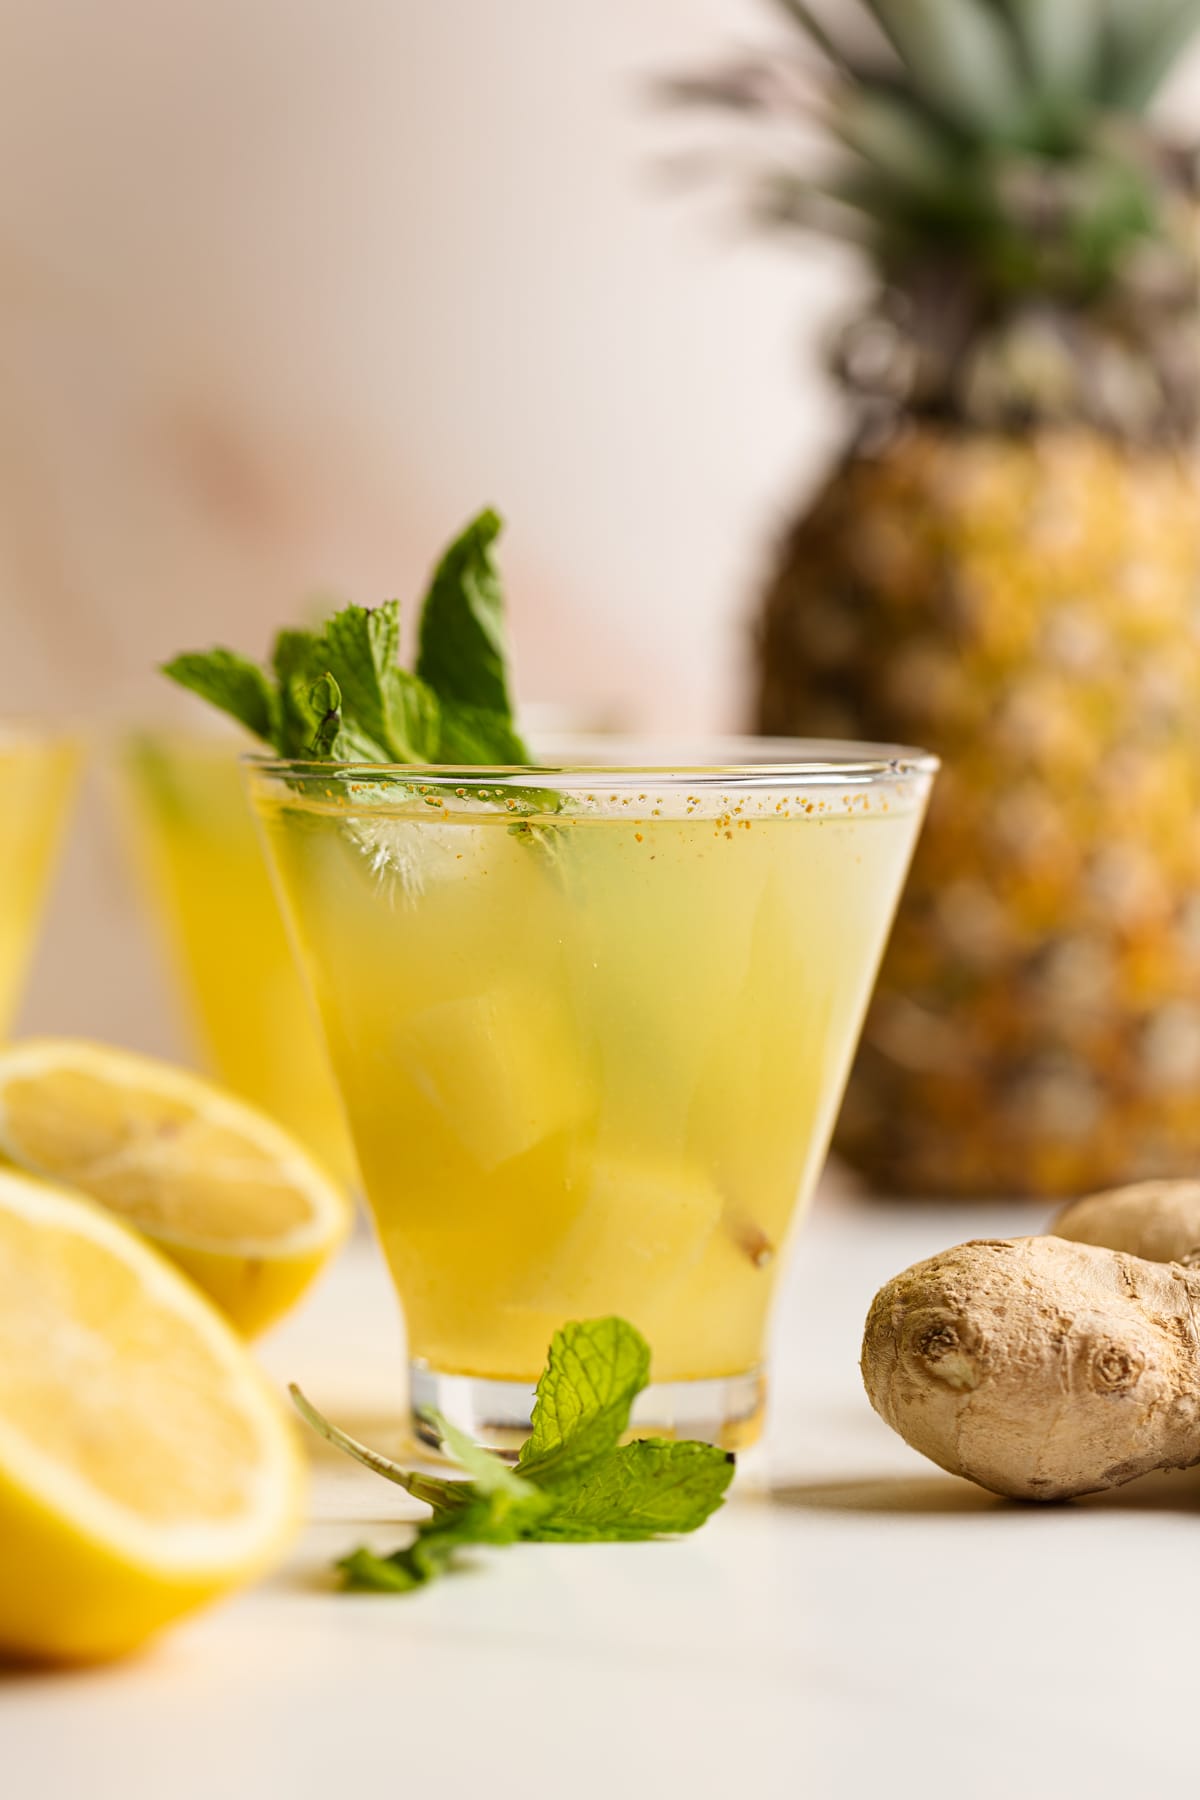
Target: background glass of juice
38, 772
202, 866
591, 1027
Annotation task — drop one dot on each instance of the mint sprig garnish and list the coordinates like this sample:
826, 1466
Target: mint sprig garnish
339, 693
574, 1482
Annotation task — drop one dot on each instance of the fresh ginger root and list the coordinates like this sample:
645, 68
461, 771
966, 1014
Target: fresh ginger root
1159, 1220
1042, 1367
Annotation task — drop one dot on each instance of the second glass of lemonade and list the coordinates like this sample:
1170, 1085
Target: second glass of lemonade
202, 865
38, 772
591, 1027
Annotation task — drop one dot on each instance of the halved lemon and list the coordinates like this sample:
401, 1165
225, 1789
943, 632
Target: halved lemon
144, 1464
217, 1185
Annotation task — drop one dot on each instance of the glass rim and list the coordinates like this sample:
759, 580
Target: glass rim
776, 761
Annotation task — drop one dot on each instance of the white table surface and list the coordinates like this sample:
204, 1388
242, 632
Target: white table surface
854, 1623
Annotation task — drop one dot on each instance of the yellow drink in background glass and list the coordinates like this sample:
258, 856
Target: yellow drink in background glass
591, 1057
203, 868
38, 772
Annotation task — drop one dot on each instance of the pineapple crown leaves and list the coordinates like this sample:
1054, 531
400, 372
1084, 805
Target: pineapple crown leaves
994, 161
1023, 72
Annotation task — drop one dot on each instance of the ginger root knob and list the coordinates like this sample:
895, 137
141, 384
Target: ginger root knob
1038, 1367
1159, 1220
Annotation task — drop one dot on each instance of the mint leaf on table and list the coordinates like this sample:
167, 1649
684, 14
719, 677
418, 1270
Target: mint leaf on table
642, 1490
574, 1482
340, 694
434, 1551
594, 1372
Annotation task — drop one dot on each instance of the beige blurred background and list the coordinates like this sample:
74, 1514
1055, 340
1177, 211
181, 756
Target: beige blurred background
288, 288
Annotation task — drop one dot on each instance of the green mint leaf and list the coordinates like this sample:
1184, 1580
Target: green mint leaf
594, 1373
362, 649
363, 1572
436, 1547
642, 1490
432, 1552
297, 654
388, 715
416, 716
233, 684
462, 649
298, 664
359, 649
470, 734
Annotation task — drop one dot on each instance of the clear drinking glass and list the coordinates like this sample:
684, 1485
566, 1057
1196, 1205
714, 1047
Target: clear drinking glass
591, 1026
201, 864
38, 773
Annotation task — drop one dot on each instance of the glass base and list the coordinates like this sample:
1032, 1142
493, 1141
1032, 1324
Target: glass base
725, 1410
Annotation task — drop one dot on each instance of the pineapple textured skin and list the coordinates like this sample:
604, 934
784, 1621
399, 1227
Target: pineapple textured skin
1029, 608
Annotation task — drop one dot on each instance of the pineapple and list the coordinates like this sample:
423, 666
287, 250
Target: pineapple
1005, 567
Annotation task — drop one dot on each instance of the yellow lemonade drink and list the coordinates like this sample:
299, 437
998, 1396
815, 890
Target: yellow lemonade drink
202, 864
37, 781
591, 1037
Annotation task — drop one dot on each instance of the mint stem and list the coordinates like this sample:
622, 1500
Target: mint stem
427, 1488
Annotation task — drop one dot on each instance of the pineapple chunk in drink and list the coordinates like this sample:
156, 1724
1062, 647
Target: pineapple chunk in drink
630, 1231
498, 1072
